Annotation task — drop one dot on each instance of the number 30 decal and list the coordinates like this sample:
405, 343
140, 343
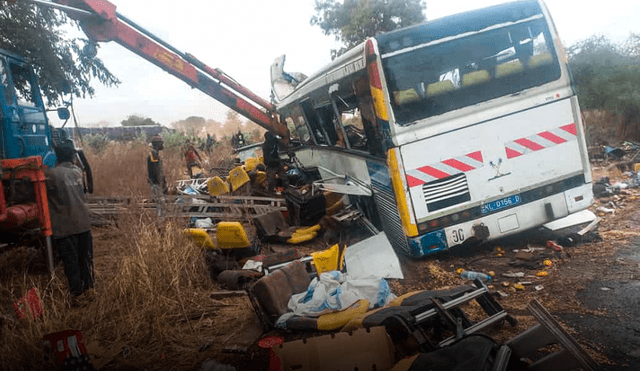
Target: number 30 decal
457, 235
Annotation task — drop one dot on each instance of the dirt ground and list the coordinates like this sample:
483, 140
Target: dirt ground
591, 288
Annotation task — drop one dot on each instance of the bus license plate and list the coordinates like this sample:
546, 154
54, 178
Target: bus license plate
500, 204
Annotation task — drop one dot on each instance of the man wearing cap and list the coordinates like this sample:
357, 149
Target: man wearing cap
70, 219
156, 173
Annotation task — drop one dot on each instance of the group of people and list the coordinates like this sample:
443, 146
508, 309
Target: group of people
70, 216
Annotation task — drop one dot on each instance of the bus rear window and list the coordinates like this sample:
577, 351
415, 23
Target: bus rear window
444, 76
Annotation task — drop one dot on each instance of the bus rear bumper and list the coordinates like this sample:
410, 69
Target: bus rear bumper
504, 223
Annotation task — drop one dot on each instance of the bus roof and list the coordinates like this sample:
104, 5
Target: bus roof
457, 24
420, 34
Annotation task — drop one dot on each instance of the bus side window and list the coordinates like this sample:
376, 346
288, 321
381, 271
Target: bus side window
295, 135
317, 130
368, 118
300, 129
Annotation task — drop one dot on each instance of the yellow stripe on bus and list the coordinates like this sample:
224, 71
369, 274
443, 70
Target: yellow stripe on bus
379, 103
410, 229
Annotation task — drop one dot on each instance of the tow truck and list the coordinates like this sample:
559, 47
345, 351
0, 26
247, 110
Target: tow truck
27, 138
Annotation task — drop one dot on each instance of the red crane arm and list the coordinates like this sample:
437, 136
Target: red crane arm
102, 23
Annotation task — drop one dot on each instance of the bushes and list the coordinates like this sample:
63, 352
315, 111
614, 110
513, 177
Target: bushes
96, 142
606, 76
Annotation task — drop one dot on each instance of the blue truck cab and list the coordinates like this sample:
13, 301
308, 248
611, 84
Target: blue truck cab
24, 128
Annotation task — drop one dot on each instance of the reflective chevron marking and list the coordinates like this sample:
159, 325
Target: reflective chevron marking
540, 141
444, 168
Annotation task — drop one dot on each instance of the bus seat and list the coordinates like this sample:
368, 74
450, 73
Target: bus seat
508, 68
540, 60
439, 87
217, 186
406, 96
475, 77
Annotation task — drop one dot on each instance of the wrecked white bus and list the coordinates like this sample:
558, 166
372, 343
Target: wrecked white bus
463, 128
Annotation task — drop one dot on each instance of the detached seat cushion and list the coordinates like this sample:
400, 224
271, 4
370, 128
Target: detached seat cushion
274, 290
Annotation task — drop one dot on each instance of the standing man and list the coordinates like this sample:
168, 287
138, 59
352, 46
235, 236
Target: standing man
192, 156
70, 219
156, 174
272, 161
209, 143
240, 140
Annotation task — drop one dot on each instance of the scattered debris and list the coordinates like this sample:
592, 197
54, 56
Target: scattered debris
373, 256
513, 275
28, 305
69, 349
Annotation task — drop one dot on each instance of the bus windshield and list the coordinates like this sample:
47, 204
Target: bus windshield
459, 71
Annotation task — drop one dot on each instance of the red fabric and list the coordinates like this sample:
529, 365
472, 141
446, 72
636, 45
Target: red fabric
191, 156
31, 300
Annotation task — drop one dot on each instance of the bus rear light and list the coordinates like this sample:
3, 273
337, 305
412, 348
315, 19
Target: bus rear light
374, 75
548, 189
375, 81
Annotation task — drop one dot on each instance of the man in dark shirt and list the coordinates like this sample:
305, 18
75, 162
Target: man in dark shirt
156, 174
70, 219
272, 161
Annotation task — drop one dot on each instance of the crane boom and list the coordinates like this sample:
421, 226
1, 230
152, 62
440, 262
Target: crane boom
101, 23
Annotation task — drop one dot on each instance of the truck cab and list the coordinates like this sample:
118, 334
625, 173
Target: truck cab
24, 128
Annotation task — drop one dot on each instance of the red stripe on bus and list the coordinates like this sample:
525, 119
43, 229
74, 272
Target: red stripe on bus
571, 128
511, 153
374, 75
529, 144
552, 137
476, 156
412, 182
458, 165
433, 172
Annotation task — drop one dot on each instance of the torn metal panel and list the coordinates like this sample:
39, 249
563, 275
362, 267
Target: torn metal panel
373, 257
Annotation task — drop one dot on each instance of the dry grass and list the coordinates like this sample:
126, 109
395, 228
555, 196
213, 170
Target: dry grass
152, 300
121, 169
152, 305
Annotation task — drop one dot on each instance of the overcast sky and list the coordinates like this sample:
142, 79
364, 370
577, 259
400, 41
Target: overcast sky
243, 37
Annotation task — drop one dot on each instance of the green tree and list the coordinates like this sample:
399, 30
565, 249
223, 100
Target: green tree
352, 21
607, 76
134, 120
37, 34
